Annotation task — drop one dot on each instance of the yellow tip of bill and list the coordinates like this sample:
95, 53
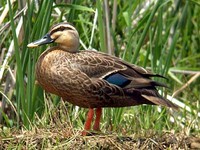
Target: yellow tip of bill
31, 45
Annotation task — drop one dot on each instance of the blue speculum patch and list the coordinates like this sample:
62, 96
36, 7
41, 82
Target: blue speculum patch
117, 79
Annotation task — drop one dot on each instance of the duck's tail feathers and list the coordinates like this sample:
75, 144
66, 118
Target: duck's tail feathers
160, 101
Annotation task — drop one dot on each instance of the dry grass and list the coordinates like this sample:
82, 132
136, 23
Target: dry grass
64, 137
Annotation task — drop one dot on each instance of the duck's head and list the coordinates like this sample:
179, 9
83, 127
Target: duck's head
64, 34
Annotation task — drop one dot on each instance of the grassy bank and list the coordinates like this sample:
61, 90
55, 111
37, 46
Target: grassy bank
161, 36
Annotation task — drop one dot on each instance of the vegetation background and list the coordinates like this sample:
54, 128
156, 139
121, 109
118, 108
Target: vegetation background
160, 35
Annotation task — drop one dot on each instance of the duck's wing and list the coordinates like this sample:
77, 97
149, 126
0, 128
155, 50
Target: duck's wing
110, 68
120, 77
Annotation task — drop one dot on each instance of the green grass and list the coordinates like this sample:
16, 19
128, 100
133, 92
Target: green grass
163, 36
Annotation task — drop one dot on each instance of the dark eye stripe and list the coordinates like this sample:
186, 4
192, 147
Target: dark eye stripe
61, 28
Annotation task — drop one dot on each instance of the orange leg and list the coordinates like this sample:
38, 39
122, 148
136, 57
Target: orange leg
88, 121
96, 126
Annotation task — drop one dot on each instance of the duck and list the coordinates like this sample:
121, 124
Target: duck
92, 79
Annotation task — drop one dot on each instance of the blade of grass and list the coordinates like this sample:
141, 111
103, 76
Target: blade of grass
20, 82
141, 40
174, 41
101, 27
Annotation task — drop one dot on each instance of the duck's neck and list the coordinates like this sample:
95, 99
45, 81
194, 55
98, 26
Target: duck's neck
69, 49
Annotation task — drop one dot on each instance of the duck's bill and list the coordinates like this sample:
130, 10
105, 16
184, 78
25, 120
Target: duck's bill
45, 40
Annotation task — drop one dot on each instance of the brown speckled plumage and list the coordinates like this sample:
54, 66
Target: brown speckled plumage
79, 77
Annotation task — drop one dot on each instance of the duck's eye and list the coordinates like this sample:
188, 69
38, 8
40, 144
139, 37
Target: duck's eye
65, 28
62, 28
68, 28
